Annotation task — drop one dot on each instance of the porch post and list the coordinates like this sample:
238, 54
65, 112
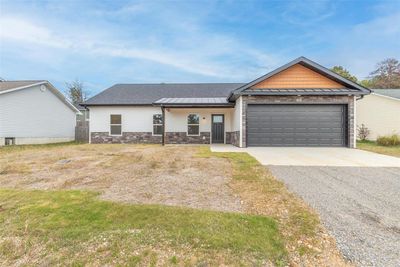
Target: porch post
163, 125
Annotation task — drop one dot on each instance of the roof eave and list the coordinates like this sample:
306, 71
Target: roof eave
188, 105
22, 87
52, 88
105, 104
315, 66
300, 93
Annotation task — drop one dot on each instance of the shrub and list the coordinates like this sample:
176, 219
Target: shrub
363, 132
391, 140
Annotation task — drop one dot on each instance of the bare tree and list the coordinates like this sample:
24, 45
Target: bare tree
387, 74
363, 132
76, 91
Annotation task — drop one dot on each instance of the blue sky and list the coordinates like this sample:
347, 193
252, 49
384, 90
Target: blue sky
107, 42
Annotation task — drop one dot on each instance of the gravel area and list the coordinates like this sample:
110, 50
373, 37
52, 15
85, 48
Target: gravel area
360, 206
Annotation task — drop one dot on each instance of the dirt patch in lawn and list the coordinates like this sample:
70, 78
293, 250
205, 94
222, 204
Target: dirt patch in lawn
140, 174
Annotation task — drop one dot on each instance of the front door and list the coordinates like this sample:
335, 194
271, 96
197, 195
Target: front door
217, 128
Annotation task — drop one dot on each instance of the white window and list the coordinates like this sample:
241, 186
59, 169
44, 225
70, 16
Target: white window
157, 124
193, 122
115, 124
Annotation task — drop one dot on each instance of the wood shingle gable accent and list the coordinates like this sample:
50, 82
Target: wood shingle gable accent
297, 76
287, 82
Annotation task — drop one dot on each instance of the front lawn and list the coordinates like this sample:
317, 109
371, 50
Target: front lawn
75, 228
148, 205
374, 147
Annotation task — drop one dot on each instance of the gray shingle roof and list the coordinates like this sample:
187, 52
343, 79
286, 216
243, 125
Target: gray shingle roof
146, 94
395, 93
8, 85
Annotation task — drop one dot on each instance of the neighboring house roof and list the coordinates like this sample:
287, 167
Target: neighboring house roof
392, 93
309, 64
147, 94
8, 85
187, 102
12, 86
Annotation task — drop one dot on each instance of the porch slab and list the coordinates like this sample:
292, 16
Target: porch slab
313, 156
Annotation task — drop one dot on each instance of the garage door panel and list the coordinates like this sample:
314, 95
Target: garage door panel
296, 125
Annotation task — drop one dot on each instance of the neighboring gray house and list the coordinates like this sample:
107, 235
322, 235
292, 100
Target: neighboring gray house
34, 112
380, 112
298, 104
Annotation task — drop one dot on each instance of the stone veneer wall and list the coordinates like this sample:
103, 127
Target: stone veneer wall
126, 137
233, 138
348, 100
183, 138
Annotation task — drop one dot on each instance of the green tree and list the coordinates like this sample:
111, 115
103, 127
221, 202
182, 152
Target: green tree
344, 73
386, 75
366, 83
76, 92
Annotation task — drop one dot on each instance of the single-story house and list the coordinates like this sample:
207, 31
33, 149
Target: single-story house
299, 104
380, 112
34, 112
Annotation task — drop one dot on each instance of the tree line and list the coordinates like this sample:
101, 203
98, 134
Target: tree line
385, 76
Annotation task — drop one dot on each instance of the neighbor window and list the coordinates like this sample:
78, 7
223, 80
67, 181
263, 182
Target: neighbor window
193, 124
157, 124
115, 124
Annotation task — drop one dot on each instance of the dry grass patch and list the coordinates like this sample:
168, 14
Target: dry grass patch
374, 147
140, 174
306, 239
150, 174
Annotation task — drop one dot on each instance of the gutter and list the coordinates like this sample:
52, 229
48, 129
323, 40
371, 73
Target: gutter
193, 106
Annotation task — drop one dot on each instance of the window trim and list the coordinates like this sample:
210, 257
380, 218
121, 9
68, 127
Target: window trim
113, 124
157, 124
191, 124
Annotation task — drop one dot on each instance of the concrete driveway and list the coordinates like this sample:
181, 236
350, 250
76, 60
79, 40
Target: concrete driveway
314, 156
356, 193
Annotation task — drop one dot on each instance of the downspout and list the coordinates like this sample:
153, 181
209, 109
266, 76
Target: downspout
163, 125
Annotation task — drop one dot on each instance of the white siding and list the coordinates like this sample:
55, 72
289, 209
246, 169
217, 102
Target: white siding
176, 119
35, 116
237, 119
381, 115
236, 125
140, 119
134, 119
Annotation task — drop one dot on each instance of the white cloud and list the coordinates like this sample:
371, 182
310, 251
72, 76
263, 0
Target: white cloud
21, 30
190, 55
360, 47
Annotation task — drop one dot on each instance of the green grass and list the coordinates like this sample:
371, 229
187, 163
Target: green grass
374, 147
299, 223
68, 223
245, 166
